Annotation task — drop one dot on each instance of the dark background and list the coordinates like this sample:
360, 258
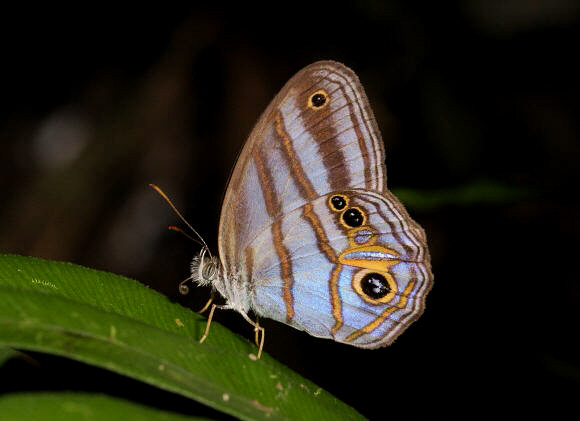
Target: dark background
477, 103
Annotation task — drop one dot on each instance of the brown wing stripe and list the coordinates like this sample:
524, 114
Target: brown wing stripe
286, 265
335, 299
297, 171
273, 208
324, 247
359, 136
322, 240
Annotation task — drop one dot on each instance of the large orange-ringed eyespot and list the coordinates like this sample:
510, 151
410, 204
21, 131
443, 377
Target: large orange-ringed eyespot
374, 287
353, 217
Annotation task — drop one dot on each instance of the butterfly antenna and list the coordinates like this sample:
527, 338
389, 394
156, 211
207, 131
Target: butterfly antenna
164, 196
179, 230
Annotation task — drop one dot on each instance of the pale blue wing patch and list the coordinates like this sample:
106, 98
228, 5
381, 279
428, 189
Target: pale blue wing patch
310, 266
314, 244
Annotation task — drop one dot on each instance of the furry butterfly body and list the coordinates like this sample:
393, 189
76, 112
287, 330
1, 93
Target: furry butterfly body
309, 235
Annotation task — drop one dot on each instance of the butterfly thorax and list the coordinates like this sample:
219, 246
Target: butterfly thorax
208, 270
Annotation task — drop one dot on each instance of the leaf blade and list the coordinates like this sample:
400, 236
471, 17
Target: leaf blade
79, 406
119, 324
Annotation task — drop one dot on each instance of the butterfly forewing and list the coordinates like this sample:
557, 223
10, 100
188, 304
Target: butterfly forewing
317, 135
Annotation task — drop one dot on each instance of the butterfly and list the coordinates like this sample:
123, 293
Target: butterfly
309, 234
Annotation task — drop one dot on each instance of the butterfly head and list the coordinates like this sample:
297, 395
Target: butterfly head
205, 268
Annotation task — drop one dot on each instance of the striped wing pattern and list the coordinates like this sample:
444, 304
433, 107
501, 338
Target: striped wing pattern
309, 234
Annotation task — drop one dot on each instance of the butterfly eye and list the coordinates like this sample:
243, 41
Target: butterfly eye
318, 100
353, 217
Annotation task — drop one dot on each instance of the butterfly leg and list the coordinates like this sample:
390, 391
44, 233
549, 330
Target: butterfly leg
259, 333
206, 306
259, 329
213, 307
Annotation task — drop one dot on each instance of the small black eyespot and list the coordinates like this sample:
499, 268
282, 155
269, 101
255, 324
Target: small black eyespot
338, 202
353, 217
318, 100
375, 285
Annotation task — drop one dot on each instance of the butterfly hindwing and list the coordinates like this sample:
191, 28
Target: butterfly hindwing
329, 262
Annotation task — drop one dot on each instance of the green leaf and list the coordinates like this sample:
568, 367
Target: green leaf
119, 324
78, 407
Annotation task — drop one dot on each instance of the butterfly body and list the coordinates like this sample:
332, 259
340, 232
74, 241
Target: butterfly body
309, 234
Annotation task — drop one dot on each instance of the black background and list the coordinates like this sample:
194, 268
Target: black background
473, 96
